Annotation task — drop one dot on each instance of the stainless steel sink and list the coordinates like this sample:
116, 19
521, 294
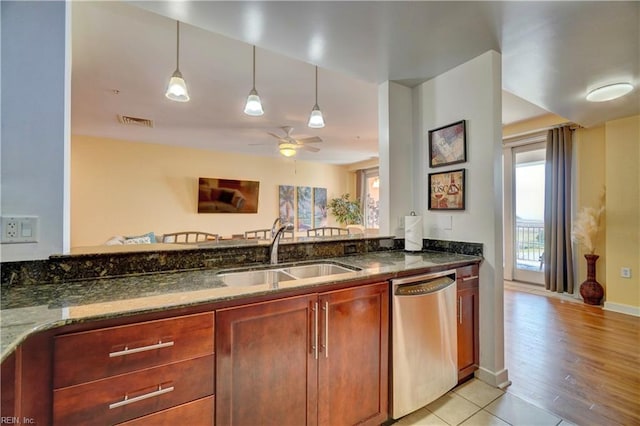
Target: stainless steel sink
250, 278
276, 274
316, 270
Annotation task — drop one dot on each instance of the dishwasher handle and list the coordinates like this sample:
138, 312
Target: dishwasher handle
424, 287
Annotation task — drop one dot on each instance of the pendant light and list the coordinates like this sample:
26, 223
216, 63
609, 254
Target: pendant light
177, 88
315, 119
253, 106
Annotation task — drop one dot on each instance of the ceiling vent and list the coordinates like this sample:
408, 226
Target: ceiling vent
136, 121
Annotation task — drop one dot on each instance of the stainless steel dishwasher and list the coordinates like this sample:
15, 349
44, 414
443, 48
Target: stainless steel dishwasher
424, 341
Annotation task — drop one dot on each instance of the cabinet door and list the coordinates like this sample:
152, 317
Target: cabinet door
266, 366
353, 365
468, 326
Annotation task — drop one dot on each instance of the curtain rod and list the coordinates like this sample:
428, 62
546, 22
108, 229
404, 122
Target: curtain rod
535, 132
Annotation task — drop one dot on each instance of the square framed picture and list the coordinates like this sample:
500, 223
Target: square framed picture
447, 190
448, 144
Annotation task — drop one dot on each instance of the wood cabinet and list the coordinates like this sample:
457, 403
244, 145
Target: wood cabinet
121, 373
468, 320
302, 360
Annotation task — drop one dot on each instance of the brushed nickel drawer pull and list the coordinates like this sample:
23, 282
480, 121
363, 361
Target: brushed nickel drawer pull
315, 330
473, 277
128, 351
127, 400
326, 329
460, 309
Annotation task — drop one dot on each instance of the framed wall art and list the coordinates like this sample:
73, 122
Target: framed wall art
227, 195
447, 190
304, 212
286, 203
319, 207
448, 144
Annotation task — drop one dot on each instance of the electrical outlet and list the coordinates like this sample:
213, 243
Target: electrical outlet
19, 229
625, 272
11, 228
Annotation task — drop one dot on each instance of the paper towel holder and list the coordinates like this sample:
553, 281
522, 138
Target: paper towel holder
413, 241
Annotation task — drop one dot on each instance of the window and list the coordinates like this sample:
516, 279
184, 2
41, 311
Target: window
371, 197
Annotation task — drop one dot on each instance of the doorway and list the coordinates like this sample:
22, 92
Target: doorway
524, 212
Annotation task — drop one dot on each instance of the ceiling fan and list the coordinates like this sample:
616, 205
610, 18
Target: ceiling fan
288, 145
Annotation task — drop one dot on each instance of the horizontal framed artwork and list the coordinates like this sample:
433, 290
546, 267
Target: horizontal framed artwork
448, 144
447, 190
227, 196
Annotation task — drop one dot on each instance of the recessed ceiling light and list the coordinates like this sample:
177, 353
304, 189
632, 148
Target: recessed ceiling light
609, 92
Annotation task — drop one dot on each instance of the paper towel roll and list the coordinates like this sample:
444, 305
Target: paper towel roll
413, 233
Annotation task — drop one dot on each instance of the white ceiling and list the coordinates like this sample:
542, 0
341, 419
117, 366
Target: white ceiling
553, 54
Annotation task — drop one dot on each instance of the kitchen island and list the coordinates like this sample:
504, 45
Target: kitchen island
37, 319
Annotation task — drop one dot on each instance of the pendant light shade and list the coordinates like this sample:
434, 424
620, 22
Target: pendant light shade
177, 88
253, 106
316, 121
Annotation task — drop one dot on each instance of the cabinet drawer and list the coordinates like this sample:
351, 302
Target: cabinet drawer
133, 395
467, 277
199, 412
97, 354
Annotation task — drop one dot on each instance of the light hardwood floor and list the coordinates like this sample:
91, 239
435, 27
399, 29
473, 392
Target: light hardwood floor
575, 360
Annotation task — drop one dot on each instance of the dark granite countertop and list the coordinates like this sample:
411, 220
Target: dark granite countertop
25, 309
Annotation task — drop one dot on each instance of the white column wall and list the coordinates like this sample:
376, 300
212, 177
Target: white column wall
34, 148
395, 134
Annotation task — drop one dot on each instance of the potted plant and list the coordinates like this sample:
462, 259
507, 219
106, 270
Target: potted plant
585, 232
346, 211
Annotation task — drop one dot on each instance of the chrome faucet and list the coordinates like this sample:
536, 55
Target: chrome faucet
275, 225
275, 242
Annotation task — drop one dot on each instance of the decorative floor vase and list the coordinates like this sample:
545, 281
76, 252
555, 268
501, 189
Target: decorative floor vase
591, 290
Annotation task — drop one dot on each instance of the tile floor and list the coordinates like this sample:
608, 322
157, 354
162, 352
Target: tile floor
475, 403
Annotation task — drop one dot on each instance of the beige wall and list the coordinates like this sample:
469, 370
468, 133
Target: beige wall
589, 150
538, 123
608, 156
622, 171
131, 188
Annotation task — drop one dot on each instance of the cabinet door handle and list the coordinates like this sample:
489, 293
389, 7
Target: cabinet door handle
326, 329
460, 309
127, 400
315, 330
128, 351
472, 277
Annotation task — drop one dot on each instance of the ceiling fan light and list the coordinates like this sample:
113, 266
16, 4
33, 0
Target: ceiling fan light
287, 149
609, 92
316, 121
177, 88
253, 106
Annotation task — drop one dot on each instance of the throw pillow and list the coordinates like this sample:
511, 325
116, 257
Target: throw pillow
149, 236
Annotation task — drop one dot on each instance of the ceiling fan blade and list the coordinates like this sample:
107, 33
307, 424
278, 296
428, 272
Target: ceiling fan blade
312, 139
287, 130
258, 144
274, 135
309, 148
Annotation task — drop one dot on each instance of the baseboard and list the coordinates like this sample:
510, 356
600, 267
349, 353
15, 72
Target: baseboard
623, 309
498, 379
